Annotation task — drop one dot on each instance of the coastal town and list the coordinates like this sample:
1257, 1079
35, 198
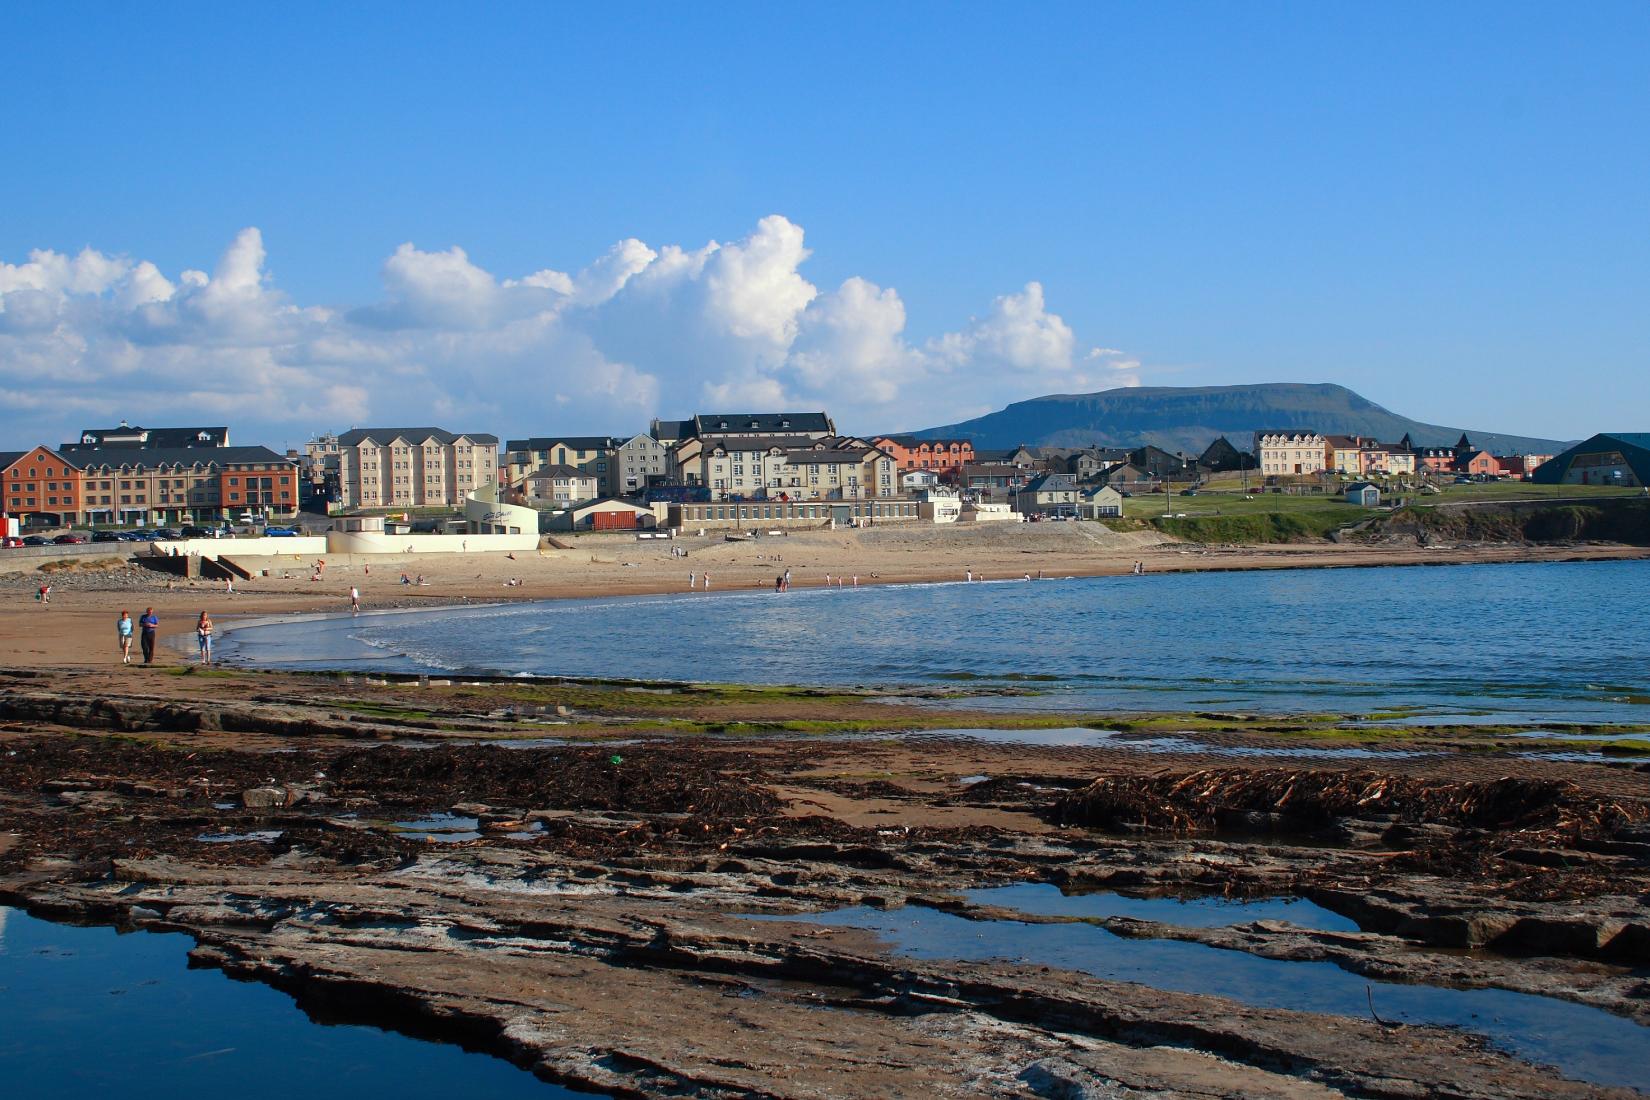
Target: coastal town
716, 470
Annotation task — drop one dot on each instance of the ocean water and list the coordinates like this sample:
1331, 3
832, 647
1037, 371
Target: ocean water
1534, 642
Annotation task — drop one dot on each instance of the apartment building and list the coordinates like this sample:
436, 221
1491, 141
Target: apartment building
594, 455
413, 467
1357, 456
1291, 452
168, 439
133, 485
637, 463
174, 485
786, 468
557, 487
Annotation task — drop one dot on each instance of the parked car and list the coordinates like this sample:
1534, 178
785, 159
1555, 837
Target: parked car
280, 532
195, 532
36, 540
69, 538
167, 534
107, 536
1188, 492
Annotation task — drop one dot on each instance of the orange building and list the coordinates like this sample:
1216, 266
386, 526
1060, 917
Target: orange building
944, 456
41, 488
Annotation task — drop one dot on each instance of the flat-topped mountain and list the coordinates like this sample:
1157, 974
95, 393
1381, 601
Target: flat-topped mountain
1188, 418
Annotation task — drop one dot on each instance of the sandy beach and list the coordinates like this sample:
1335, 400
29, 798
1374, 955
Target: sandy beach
77, 629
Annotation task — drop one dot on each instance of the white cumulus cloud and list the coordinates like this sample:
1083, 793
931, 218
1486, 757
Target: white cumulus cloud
636, 332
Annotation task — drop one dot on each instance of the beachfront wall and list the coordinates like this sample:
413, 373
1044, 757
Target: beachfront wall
747, 514
371, 542
303, 546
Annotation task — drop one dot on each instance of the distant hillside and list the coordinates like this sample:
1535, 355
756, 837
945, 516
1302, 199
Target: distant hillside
1188, 418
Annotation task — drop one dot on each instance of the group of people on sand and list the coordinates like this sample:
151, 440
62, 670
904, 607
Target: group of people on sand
146, 628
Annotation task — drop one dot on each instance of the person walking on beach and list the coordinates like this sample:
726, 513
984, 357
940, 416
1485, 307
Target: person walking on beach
787, 578
693, 580
354, 600
147, 625
123, 635
707, 581
45, 594
968, 574
203, 637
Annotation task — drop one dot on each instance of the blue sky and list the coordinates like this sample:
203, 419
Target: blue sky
926, 211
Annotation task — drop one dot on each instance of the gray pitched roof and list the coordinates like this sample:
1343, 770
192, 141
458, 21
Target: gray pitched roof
356, 436
560, 471
182, 456
719, 423
1050, 483
826, 458
571, 442
756, 443
150, 438
149, 457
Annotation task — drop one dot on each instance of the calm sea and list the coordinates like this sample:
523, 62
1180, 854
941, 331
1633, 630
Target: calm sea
1547, 642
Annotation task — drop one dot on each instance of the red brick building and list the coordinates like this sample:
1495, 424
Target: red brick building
40, 487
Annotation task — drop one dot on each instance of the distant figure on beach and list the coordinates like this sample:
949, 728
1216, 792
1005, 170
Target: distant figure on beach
827, 580
856, 580
1028, 576
420, 582
787, 578
707, 581
229, 585
779, 583
693, 579
123, 635
203, 637
45, 594
354, 600
968, 574
405, 579
147, 625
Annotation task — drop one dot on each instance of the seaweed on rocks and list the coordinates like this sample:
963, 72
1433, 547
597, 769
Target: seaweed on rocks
635, 780
1309, 800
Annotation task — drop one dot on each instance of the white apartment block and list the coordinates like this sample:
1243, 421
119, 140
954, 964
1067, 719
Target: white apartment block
1291, 452
413, 467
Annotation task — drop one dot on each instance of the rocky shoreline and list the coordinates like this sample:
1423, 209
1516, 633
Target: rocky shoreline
641, 918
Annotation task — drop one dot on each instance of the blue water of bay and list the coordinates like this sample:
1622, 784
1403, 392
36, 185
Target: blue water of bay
1526, 642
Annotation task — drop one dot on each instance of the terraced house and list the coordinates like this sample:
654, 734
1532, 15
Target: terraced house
413, 467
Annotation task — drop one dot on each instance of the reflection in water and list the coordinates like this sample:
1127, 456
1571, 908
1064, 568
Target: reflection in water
1582, 1042
89, 1012
1503, 641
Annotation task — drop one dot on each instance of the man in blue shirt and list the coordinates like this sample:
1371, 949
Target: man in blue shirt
146, 634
